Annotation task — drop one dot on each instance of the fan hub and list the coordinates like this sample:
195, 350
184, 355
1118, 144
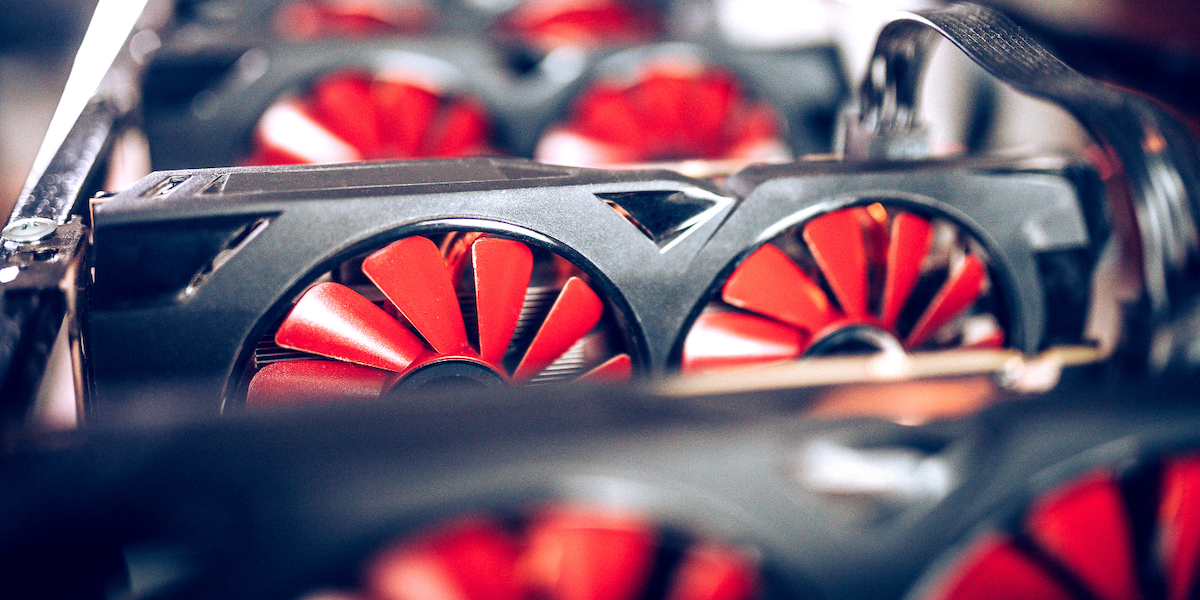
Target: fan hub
448, 371
854, 339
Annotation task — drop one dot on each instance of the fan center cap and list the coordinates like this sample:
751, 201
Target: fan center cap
462, 372
855, 340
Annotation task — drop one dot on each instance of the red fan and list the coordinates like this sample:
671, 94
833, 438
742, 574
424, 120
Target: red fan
519, 333
551, 23
349, 116
1082, 541
670, 111
313, 19
561, 553
859, 279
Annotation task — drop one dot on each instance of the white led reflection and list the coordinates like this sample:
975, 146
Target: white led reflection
897, 472
872, 486
286, 127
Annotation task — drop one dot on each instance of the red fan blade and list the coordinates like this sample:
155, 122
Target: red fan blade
721, 339
287, 134
609, 115
410, 110
836, 242
414, 276
472, 560
1179, 526
574, 314
550, 24
756, 136
299, 381
666, 97
457, 250
910, 242
712, 99
1086, 528
958, 293
714, 573
502, 271
873, 220
996, 568
343, 103
770, 284
332, 320
578, 555
461, 130
309, 19
616, 369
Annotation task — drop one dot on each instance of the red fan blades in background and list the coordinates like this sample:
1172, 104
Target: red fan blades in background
549, 24
333, 321
671, 112
352, 116
1087, 528
1179, 526
474, 559
581, 555
562, 553
313, 19
1080, 542
856, 267
997, 568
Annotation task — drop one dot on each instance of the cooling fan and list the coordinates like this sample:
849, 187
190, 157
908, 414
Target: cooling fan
352, 116
825, 258
565, 552
670, 108
530, 321
1107, 535
858, 279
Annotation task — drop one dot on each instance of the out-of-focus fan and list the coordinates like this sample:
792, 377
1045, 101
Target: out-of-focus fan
862, 279
670, 110
549, 24
1104, 536
313, 19
563, 553
351, 116
488, 310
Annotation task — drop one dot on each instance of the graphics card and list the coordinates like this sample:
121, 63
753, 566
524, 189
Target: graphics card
609, 89
671, 272
590, 494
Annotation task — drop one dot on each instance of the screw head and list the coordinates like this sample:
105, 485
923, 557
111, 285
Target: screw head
30, 229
